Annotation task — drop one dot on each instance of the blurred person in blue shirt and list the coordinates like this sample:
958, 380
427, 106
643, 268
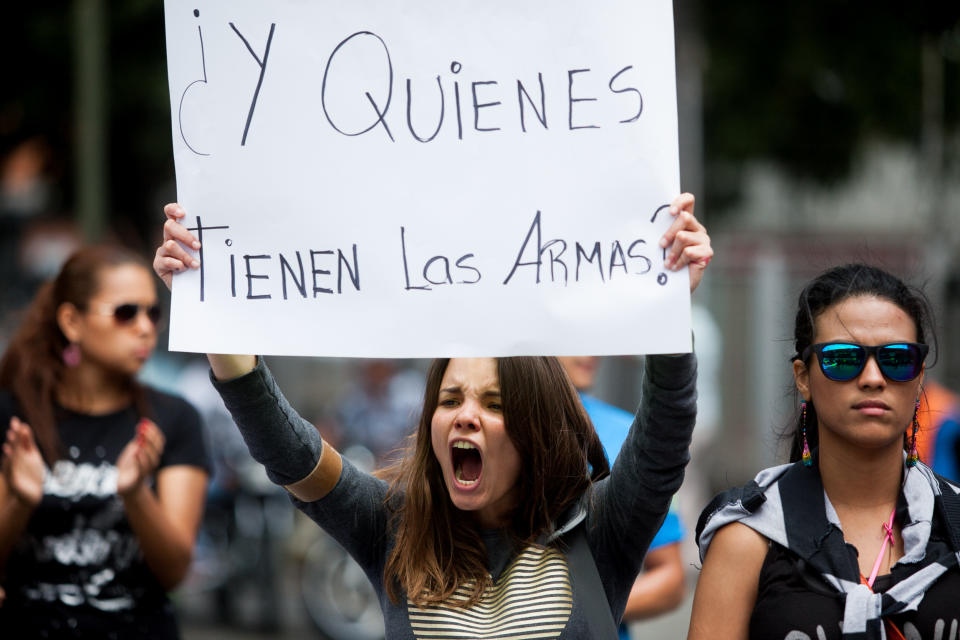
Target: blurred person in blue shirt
381, 406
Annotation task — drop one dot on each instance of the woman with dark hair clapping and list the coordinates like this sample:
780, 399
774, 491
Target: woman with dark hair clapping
103, 479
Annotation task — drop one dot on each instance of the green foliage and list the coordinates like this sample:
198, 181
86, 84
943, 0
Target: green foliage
800, 84
805, 84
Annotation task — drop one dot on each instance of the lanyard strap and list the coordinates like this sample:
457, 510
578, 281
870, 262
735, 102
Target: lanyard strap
893, 633
588, 586
887, 539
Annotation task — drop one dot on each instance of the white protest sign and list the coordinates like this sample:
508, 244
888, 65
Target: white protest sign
426, 178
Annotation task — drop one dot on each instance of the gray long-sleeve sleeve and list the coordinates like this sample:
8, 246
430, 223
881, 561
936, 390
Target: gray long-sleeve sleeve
277, 437
289, 447
629, 506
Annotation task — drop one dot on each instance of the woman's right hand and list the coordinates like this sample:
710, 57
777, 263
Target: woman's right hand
22, 466
171, 256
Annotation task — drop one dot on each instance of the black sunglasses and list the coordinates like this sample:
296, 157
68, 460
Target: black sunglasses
126, 312
843, 361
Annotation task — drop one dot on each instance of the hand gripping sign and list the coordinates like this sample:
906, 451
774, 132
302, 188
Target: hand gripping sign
426, 177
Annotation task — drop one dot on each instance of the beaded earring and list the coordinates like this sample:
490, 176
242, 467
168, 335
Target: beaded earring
71, 355
912, 456
806, 457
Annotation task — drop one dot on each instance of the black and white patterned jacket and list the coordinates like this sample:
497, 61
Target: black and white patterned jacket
787, 505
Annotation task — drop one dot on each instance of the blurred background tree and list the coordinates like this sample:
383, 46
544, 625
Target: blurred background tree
91, 74
806, 84
799, 84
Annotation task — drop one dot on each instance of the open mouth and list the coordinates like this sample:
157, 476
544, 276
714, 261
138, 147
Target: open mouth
467, 463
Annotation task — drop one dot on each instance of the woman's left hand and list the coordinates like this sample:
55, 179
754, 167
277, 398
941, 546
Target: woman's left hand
687, 240
139, 459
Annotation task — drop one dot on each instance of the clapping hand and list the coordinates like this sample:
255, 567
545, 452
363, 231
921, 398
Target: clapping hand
22, 465
139, 459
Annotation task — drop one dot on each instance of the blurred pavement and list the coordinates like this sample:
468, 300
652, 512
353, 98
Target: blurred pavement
198, 616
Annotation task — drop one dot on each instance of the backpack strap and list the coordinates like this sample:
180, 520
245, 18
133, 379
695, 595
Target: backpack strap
750, 496
587, 585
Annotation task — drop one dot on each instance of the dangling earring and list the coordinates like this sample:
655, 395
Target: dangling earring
806, 457
71, 355
912, 456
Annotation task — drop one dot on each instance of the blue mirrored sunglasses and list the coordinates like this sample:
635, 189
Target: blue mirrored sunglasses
843, 361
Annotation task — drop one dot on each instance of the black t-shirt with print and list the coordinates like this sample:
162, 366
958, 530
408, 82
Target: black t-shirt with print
794, 602
77, 570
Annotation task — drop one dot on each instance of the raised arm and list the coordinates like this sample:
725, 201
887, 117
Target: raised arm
281, 440
631, 504
289, 447
633, 501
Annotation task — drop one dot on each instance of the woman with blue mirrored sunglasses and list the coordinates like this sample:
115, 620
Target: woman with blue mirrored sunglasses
848, 540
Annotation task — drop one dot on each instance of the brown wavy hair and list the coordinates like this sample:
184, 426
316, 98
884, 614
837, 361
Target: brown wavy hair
437, 547
32, 367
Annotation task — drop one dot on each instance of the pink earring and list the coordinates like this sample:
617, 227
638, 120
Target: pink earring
806, 457
912, 456
71, 354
